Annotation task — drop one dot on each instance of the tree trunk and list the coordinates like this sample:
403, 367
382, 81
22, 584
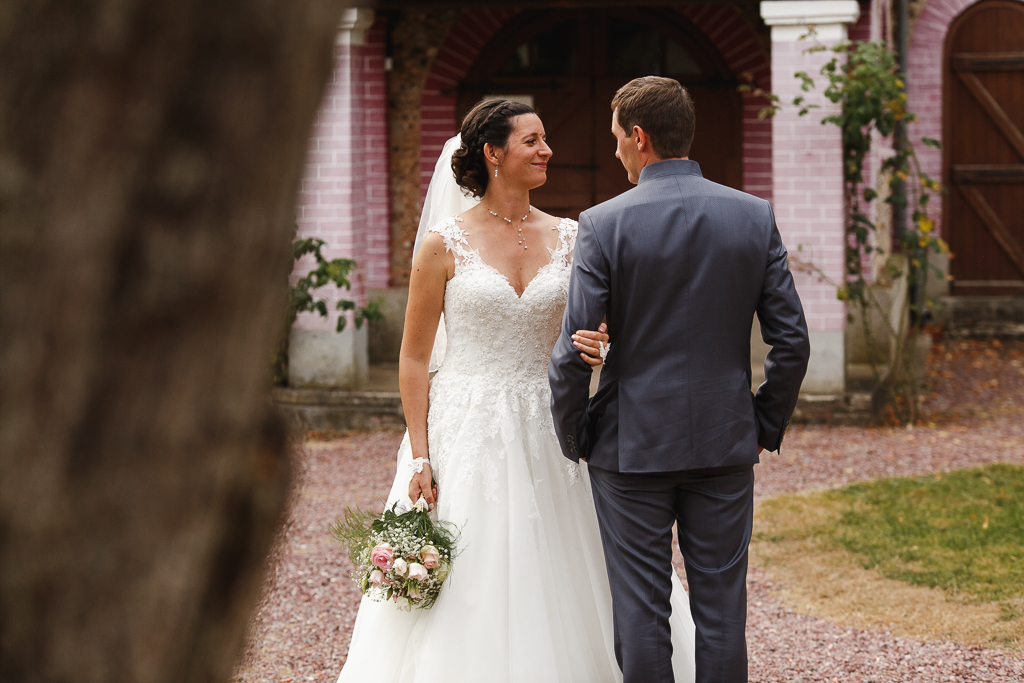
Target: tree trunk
150, 153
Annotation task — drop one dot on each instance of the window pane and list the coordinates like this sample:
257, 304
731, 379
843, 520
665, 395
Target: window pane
636, 49
633, 49
550, 53
678, 61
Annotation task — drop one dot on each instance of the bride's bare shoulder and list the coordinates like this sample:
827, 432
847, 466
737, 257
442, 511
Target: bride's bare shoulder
549, 220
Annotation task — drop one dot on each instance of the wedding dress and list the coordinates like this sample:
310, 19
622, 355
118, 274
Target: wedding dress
528, 599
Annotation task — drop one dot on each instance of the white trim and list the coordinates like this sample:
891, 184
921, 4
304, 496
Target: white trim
353, 25
790, 19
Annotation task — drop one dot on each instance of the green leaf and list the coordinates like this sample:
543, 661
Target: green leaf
931, 142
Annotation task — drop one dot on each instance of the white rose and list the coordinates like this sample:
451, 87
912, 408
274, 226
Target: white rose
417, 571
400, 566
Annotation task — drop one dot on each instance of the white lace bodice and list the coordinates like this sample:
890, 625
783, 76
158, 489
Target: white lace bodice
494, 373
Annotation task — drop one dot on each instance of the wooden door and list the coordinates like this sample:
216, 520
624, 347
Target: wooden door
571, 62
984, 148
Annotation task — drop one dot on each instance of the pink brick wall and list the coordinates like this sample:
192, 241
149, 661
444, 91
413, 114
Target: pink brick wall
808, 186
724, 26
375, 265
742, 52
344, 195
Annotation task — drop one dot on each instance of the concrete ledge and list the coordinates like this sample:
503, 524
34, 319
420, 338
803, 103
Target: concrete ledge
852, 409
310, 410
983, 316
314, 410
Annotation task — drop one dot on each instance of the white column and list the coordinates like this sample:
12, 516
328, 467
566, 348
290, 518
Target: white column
807, 175
333, 207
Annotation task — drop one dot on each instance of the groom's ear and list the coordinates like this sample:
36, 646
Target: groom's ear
642, 138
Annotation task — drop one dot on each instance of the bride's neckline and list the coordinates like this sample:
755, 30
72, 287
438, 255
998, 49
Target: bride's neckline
508, 281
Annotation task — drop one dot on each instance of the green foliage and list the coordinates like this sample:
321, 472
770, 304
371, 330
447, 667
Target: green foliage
961, 531
303, 298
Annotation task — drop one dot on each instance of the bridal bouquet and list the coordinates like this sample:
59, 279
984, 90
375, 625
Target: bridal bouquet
403, 555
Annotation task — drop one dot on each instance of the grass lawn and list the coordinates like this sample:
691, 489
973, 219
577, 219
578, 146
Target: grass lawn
961, 531
933, 556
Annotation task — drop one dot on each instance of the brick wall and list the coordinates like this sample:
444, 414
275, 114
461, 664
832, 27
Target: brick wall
469, 35
808, 191
343, 197
375, 128
743, 54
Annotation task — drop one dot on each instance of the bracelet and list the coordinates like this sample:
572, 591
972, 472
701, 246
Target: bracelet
418, 464
605, 348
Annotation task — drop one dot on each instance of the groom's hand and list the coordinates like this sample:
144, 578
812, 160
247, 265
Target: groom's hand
590, 344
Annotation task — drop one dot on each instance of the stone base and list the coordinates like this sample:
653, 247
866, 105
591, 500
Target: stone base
826, 370
326, 359
386, 335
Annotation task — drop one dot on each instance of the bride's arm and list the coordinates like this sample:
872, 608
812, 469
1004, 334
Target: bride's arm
431, 270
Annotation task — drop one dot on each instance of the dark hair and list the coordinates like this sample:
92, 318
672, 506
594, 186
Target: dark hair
663, 109
490, 121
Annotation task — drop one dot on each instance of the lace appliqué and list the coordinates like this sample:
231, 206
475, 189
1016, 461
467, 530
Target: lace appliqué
490, 398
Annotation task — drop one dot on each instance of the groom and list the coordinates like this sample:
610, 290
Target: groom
680, 266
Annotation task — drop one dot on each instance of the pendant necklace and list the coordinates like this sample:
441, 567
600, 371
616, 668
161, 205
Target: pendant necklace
509, 221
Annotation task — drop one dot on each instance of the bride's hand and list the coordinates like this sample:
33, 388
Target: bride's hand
590, 344
422, 485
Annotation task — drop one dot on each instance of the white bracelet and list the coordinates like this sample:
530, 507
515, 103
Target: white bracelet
605, 348
418, 463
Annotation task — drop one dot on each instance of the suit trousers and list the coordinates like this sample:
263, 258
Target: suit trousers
714, 511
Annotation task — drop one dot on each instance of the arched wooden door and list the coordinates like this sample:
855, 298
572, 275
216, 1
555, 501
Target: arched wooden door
571, 62
984, 148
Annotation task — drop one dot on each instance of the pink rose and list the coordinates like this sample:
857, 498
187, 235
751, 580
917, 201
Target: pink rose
377, 577
381, 556
417, 572
415, 594
430, 557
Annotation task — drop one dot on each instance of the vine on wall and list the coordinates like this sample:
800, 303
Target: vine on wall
863, 78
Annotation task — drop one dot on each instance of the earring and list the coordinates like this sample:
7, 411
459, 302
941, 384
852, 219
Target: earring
495, 171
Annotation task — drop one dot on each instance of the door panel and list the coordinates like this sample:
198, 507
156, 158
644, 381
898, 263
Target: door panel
573, 92
984, 133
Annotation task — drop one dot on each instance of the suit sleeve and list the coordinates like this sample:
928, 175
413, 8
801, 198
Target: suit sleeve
568, 374
784, 328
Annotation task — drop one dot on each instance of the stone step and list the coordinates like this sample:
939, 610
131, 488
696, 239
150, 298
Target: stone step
379, 404
339, 410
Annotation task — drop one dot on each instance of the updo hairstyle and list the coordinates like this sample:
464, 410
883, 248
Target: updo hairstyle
490, 121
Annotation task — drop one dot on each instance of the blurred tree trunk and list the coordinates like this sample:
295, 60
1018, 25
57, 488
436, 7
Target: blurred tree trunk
150, 153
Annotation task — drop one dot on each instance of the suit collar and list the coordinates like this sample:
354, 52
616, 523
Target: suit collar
661, 169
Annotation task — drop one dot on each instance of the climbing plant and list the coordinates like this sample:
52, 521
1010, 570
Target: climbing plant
303, 298
864, 79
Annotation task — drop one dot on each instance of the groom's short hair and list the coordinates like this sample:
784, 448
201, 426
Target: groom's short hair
662, 108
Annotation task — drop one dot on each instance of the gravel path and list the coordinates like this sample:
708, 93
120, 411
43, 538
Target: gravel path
304, 623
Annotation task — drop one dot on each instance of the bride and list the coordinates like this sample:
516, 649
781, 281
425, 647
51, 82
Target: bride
528, 599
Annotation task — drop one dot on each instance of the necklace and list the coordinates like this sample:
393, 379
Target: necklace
509, 221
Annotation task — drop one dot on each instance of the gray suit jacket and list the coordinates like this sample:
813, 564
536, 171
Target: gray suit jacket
679, 265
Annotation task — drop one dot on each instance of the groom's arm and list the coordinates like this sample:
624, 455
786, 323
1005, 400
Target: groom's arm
784, 328
568, 373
